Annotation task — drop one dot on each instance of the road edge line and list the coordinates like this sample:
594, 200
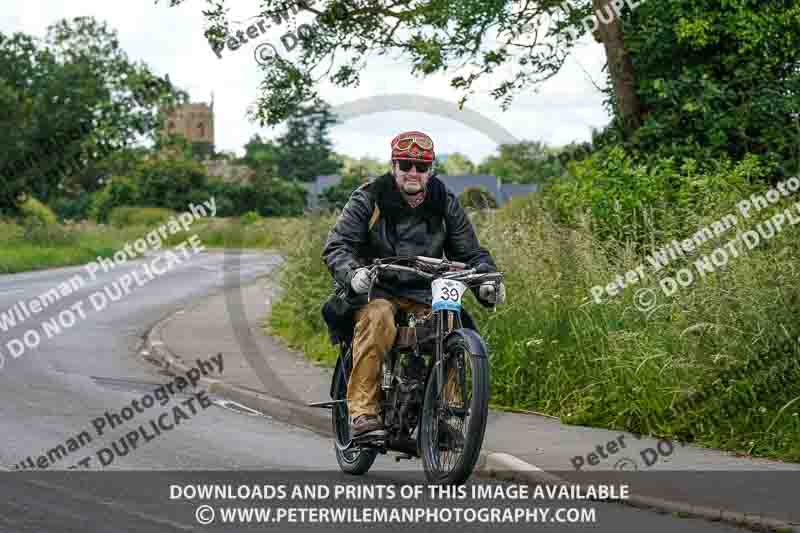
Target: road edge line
277, 408
507, 467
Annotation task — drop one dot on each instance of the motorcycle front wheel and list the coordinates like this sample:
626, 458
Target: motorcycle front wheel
453, 422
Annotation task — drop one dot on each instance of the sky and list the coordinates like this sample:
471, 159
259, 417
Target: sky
170, 41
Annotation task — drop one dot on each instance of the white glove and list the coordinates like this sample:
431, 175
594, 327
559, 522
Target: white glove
487, 293
360, 281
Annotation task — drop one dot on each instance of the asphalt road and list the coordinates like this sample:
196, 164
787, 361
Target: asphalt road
53, 394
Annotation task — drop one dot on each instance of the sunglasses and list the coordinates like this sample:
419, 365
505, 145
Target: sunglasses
405, 166
405, 143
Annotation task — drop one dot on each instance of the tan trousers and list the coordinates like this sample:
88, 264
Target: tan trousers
374, 335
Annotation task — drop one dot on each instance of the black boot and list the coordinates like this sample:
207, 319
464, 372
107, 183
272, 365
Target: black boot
367, 425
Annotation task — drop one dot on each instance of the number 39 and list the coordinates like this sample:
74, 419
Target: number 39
449, 294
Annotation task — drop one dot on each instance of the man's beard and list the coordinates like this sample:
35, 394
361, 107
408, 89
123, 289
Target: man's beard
412, 188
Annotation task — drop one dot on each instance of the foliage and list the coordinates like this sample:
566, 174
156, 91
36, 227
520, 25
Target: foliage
71, 100
119, 191
202, 151
266, 196
575, 151
617, 366
173, 184
631, 201
305, 285
718, 78
72, 208
474, 36
167, 183
36, 212
302, 153
122, 217
97, 173
226, 196
363, 167
277, 197
525, 162
249, 218
306, 150
336, 197
455, 164
709, 79
263, 156
75, 244
172, 146
477, 198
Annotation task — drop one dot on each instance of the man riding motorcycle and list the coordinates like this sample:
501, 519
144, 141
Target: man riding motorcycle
417, 215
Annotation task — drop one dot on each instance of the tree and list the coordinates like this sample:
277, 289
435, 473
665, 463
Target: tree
306, 150
263, 156
363, 167
302, 153
525, 162
273, 197
203, 150
75, 199
574, 152
695, 79
335, 197
457, 165
227, 155
68, 102
718, 79
171, 183
620, 69
172, 146
119, 191
535, 37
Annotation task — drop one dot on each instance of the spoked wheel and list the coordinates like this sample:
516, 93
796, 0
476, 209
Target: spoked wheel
352, 459
454, 416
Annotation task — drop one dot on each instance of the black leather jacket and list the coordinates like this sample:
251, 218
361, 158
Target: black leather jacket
438, 228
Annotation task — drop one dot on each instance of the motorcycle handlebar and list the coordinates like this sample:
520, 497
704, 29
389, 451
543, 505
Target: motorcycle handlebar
454, 265
465, 276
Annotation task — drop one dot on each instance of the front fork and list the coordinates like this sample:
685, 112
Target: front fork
446, 321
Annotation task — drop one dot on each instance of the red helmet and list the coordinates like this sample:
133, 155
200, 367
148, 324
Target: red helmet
413, 146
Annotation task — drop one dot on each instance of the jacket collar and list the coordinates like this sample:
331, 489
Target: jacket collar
391, 201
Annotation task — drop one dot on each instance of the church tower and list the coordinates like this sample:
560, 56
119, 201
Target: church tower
193, 121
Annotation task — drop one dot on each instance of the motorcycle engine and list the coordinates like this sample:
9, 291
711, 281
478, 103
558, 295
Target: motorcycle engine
411, 390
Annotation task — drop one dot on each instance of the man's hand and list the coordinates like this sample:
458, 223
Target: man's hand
487, 293
360, 280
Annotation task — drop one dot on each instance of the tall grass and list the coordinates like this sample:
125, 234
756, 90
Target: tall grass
231, 233
305, 285
616, 365
122, 217
35, 248
39, 247
729, 339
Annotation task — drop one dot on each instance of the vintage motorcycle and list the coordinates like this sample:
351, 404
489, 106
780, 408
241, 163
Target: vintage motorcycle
435, 380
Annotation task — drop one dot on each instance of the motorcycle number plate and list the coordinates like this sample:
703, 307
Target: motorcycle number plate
447, 294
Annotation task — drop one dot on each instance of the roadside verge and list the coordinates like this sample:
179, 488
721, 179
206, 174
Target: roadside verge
165, 341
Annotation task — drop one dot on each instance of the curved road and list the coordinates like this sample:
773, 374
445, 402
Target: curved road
51, 394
